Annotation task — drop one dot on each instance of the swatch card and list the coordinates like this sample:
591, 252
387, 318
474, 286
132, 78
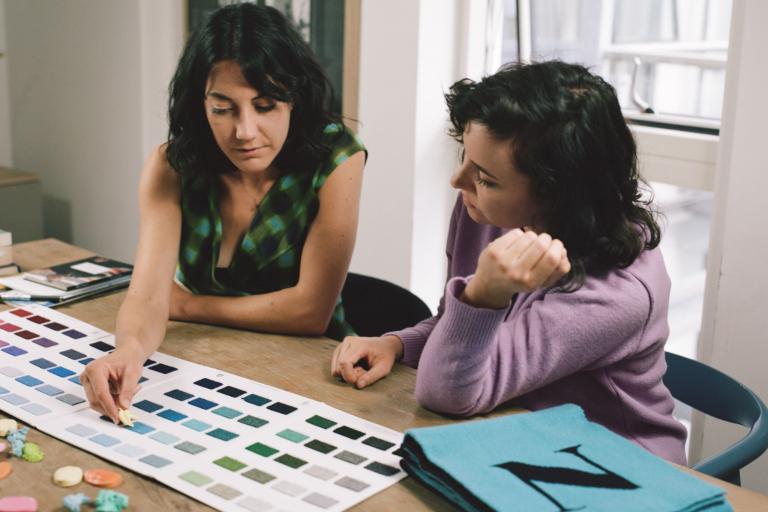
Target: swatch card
227, 441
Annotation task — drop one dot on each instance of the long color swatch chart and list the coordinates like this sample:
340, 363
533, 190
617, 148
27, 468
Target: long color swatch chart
229, 442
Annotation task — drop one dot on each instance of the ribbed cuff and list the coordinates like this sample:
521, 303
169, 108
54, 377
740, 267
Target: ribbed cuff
465, 323
413, 346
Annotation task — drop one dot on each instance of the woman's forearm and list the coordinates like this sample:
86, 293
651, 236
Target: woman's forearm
141, 324
288, 311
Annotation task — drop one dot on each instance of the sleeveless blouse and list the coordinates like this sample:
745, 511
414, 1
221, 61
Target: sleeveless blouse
268, 256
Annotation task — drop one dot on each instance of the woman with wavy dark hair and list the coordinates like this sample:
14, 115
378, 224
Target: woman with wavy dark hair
249, 211
549, 165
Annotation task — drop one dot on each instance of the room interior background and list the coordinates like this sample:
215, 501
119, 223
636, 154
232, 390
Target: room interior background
83, 99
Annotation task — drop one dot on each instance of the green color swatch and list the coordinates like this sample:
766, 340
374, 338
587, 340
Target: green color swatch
229, 463
320, 446
262, 449
321, 422
258, 476
195, 478
292, 435
290, 461
220, 433
227, 412
252, 421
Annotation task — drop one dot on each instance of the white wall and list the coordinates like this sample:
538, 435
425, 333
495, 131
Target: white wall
734, 335
408, 59
87, 80
6, 154
161, 35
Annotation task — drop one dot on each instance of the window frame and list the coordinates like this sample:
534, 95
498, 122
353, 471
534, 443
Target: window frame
674, 151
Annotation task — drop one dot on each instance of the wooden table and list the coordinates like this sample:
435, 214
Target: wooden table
298, 365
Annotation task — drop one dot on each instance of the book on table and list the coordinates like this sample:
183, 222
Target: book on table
83, 273
68, 282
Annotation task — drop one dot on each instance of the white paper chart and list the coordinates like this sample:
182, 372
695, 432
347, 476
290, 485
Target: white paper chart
226, 441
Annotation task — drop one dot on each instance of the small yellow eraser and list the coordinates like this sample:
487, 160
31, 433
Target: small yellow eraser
7, 424
68, 476
126, 417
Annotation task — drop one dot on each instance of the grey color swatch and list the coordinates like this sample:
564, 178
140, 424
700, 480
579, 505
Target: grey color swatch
70, 399
224, 491
155, 461
105, 440
130, 450
164, 437
350, 457
258, 476
189, 447
14, 399
352, 484
320, 472
320, 500
49, 390
81, 430
288, 488
36, 409
252, 504
11, 371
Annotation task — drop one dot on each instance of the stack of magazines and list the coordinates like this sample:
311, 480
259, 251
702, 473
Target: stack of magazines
67, 282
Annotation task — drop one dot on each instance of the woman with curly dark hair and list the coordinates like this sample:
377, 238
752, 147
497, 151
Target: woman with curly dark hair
249, 211
549, 165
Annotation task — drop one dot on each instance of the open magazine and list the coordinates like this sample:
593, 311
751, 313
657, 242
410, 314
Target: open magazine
81, 273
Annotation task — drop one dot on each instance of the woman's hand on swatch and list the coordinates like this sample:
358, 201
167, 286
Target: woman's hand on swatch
111, 381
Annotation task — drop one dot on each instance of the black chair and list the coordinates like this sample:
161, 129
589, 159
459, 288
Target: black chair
716, 394
373, 306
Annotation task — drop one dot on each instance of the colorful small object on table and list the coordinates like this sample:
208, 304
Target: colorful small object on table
32, 453
7, 425
111, 501
73, 502
18, 504
126, 417
68, 476
5, 469
17, 438
3, 446
103, 478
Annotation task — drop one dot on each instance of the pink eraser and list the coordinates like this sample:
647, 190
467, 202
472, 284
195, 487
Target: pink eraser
18, 504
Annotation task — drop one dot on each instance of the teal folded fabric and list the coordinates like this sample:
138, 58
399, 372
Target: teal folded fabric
550, 460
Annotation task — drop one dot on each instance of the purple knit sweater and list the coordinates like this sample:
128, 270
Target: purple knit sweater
601, 347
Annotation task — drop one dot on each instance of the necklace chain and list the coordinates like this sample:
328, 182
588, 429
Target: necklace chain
254, 203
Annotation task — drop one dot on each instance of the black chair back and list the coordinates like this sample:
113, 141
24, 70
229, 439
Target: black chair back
373, 306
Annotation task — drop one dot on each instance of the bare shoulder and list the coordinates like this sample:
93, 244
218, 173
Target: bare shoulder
158, 177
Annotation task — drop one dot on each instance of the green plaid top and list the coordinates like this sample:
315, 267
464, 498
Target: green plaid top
269, 254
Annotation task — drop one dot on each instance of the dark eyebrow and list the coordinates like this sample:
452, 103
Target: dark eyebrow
482, 170
224, 97
219, 96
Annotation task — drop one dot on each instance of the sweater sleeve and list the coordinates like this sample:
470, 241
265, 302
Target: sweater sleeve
476, 359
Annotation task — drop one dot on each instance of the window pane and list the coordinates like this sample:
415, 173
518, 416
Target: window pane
509, 33
684, 243
566, 29
682, 46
